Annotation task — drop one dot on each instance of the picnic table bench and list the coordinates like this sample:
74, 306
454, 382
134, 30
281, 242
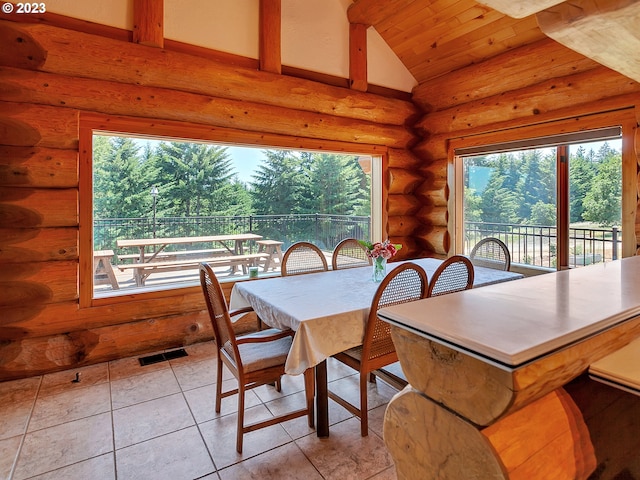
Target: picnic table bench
160, 260
142, 270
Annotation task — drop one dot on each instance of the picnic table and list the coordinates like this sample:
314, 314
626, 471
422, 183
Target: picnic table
230, 254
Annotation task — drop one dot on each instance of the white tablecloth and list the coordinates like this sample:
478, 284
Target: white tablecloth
327, 310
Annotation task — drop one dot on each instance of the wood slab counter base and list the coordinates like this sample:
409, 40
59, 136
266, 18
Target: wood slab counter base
482, 392
461, 417
545, 440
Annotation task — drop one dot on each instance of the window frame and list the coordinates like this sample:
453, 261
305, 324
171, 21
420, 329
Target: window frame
623, 118
90, 123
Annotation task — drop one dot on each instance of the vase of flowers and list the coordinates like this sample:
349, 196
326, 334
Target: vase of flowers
380, 252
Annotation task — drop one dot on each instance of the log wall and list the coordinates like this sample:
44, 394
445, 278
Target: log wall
532, 87
50, 79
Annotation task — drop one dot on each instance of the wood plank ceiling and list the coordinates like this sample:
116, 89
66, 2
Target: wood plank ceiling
435, 37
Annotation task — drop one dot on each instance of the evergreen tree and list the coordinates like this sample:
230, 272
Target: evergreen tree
119, 185
603, 202
531, 188
500, 199
193, 178
281, 184
581, 174
335, 185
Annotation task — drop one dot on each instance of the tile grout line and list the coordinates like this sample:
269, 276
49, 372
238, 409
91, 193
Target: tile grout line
113, 426
195, 421
26, 429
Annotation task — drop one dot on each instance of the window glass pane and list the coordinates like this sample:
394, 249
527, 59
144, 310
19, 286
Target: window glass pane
512, 196
146, 190
595, 203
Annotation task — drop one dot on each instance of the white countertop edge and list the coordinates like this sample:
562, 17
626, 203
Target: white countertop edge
515, 361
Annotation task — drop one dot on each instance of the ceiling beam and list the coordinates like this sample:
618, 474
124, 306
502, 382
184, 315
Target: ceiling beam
605, 31
519, 8
148, 22
270, 36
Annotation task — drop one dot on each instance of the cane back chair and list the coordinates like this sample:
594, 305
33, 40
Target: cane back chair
254, 359
303, 257
404, 283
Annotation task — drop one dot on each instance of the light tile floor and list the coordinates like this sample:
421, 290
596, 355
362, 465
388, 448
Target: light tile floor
126, 421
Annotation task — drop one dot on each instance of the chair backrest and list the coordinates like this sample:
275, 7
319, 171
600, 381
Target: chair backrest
349, 253
405, 283
303, 257
491, 252
453, 275
219, 314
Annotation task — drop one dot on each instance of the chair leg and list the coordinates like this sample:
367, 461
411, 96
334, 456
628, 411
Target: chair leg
219, 385
364, 407
310, 391
279, 384
240, 432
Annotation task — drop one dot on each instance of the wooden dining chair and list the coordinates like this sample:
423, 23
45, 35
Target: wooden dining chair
254, 359
491, 252
349, 253
303, 257
453, 275
405, 283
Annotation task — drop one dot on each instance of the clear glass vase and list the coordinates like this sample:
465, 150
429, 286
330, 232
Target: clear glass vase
379, 269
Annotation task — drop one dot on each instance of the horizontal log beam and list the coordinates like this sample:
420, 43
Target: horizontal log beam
403, 225
38, 207
409, 248
432, 215
38, 167
403, 181
401, 158
38, 125
401, 204
38, 283
55, 50
173, 129
527, 103
36, 355
158, 103
435, 239
24, 245
548, 58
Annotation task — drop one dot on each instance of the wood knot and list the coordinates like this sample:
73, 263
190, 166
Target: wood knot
443, 354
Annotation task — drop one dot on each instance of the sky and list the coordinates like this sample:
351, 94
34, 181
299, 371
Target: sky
245, 160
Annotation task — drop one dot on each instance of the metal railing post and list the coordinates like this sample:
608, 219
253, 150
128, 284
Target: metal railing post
614, 241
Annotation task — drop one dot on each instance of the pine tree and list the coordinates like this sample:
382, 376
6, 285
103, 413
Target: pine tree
120, 188
281, 184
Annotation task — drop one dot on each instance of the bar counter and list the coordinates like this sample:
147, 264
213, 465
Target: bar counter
497, 379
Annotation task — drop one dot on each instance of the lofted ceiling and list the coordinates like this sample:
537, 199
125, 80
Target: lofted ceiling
435, 37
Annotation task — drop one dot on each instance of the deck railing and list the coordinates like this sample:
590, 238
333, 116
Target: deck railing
536, 244
323, 230
528, 244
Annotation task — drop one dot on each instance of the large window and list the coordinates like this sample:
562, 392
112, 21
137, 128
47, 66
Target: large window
555, 206
161, 205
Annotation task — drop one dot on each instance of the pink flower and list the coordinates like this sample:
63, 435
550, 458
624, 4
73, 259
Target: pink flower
384, 249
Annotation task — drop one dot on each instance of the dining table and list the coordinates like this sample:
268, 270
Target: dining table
328, 312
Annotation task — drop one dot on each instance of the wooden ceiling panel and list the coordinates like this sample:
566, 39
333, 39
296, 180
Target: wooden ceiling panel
434, 37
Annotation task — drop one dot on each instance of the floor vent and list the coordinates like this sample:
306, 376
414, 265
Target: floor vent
161, 357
